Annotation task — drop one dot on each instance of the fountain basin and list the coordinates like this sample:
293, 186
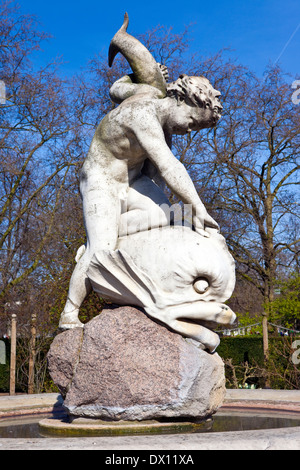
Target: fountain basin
257, 406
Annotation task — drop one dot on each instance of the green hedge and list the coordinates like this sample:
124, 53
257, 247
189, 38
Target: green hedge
278, 372
4, 368
242, 349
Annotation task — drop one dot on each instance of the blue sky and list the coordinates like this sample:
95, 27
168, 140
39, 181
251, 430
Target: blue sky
258, 31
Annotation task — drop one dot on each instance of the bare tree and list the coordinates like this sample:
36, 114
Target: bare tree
40, 152
247, 169
258, 174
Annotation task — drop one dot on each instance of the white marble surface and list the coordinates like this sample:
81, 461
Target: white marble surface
122, 180
160, 271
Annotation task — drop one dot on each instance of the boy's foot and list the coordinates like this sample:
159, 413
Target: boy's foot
68, 321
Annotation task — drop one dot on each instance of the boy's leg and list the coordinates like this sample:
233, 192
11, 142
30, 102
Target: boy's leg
146, 207
101, 222
79, 288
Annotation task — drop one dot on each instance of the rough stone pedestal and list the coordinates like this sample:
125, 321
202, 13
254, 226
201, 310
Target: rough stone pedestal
124, 366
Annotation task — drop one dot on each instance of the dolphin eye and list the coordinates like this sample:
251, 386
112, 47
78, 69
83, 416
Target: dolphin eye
201, 285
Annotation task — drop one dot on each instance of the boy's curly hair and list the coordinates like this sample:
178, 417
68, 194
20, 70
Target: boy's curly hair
192, 90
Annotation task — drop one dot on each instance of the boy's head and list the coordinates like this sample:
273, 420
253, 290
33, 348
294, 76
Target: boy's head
195, 91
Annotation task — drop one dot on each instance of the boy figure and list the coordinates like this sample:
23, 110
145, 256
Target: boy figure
130, 146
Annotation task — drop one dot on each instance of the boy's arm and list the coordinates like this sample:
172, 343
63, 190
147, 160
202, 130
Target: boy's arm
122, 89
151, 138
125, 87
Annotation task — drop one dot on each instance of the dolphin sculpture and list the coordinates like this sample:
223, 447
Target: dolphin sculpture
145, 68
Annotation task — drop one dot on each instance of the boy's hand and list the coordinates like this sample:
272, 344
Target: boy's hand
202, 219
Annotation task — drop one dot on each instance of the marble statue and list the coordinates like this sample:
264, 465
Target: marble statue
135, 254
